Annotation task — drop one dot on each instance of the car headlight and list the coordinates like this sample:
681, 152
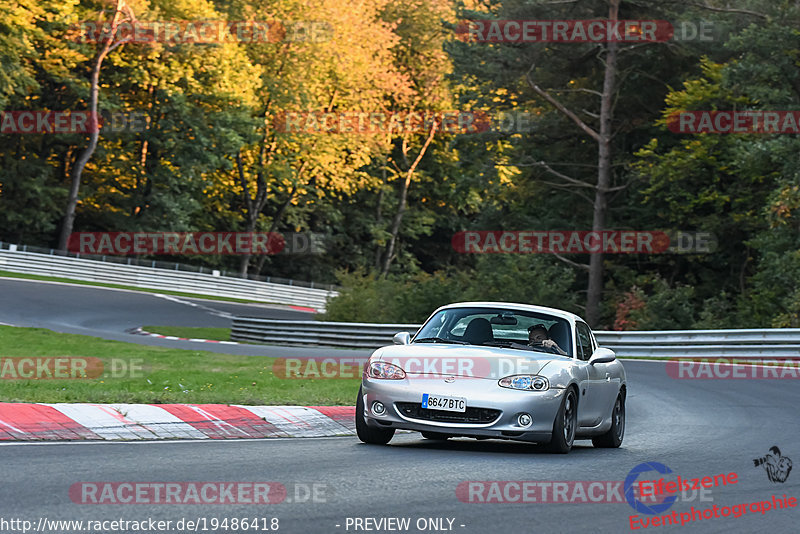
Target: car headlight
384, 370
525, 382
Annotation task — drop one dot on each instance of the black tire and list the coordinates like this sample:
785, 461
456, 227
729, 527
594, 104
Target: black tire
436, 436
367, 434
613, 438
565, 424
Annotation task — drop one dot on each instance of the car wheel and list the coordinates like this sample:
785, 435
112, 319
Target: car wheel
564, 425
437, 436
367, 434
613, 438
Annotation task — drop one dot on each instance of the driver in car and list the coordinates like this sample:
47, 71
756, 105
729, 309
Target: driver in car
538, 337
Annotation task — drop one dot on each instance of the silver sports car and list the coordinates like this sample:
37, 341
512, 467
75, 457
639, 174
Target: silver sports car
495, 370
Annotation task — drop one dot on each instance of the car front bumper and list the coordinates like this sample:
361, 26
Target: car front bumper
542, 406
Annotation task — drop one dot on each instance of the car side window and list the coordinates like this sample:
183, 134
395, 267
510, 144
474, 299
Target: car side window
579, 352
585, 348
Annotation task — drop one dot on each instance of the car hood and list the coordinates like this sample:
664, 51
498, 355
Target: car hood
434, 359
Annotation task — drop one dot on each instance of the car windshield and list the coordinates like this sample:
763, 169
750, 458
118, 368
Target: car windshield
493, 327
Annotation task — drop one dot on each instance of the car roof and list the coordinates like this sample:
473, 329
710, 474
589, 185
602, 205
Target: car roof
514, 306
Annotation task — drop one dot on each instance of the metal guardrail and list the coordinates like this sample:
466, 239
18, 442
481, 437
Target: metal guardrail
353, 335
768, 343
212, 284
172, 266
752, 343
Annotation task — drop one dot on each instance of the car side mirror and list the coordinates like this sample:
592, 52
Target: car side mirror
602, 355
401, 338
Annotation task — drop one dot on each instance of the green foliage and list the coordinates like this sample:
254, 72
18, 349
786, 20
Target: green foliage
412, 298
666, 308
743, 188
209, 105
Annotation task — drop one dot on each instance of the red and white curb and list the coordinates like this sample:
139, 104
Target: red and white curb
140, 332
34, 422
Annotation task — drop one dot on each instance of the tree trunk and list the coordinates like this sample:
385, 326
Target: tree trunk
398, 219
595, 288
401, 209
379, 214
254, 205
603, 186
106, 47
244, 262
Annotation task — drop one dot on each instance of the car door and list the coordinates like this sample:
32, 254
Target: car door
609, 380
594, 403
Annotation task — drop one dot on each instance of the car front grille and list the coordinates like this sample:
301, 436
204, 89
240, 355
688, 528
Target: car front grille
475, 416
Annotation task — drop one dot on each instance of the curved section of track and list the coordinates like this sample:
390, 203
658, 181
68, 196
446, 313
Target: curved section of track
696, 427
114, 313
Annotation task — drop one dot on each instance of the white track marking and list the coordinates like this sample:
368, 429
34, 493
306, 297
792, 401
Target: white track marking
212, 311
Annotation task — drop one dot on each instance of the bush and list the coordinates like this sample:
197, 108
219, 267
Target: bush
365, 297
665, 307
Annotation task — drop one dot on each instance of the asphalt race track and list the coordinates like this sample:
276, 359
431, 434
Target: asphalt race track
697, 428
111, 313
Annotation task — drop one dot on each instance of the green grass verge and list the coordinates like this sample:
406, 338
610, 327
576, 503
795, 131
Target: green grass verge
166, 375
9, 274
191, 332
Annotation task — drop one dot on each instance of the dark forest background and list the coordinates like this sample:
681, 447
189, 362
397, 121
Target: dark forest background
389, 204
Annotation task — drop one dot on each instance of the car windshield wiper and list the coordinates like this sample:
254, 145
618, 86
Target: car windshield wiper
439, 340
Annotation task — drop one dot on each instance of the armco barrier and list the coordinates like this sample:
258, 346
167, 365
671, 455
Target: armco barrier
162, 279
353, 335
768, 343
752, 343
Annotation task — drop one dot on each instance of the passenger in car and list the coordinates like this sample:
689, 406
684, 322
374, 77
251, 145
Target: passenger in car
538, 337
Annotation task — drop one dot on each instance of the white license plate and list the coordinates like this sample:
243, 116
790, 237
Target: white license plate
448, 404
